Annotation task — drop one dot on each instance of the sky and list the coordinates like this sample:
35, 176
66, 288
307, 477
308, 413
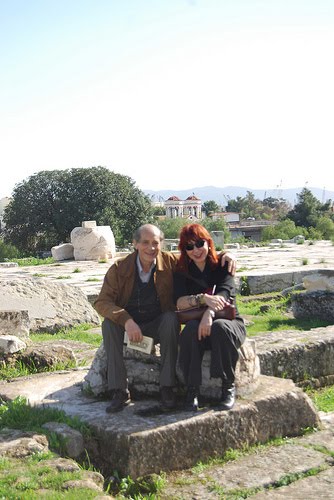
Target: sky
175, 94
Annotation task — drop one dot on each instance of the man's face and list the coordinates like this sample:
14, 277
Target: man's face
148, 246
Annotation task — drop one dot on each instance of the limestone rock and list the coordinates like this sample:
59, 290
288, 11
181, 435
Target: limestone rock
65, 251
15, 321
61, 464
93, 243
10, 344
46, 355
50, 305
313, 305
19, 444
74, 443
320, 281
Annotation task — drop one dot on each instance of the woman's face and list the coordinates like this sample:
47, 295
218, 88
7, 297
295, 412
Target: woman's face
197, 250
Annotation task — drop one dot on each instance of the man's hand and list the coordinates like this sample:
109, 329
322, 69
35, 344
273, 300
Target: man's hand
133, 330
232, 262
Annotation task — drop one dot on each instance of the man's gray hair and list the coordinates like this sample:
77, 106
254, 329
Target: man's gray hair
137, 233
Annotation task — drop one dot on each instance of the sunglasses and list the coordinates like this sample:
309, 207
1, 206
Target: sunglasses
197, 244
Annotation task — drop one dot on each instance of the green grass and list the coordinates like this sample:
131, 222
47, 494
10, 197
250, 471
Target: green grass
275, 318
17, 414
323, 398
22, 479
19, 369
34, 261
79, 334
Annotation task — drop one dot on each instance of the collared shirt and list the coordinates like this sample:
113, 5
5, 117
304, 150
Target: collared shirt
145, 276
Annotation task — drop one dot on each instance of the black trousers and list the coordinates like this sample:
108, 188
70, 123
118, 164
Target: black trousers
226, 338
164, 330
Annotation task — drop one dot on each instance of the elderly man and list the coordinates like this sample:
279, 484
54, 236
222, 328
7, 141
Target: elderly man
137, 297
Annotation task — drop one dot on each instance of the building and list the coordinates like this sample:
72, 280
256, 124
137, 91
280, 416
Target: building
191, 208
229, 217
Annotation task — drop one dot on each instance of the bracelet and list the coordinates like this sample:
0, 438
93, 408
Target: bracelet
202, 299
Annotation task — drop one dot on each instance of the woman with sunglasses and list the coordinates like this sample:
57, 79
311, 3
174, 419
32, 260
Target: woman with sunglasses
201, 280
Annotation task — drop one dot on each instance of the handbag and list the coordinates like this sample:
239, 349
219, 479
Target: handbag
184, 315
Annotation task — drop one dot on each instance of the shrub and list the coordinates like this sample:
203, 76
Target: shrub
8, 251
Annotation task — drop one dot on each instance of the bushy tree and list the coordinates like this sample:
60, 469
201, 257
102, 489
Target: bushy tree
171, 227
48, 205
269, 209
307, 211
8, 251
210, 206
325, 226
284, 230
217, 225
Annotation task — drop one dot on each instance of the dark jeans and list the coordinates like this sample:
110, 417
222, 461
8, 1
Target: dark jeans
225, 339
164, 330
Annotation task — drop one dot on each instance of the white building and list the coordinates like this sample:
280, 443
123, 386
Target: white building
191, 208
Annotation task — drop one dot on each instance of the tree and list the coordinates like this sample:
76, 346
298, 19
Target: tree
210, 206
48, 205
284, 230
217, 225
171, 227
325, 226
308, 209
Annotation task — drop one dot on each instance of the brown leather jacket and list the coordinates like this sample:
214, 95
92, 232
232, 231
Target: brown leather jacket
118, 283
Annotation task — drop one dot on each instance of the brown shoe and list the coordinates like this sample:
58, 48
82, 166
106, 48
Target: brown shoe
120, 399
168, 398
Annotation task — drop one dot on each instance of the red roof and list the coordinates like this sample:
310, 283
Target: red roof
193, 197
173, 198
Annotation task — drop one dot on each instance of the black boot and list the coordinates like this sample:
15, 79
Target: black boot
168, 398
120, 399
191, 401
228, 398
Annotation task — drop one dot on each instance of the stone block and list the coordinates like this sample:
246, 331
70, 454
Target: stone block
143, 372
73, 440
14, 322
65, 251
320, 280
10, 344
313, 305
88, 224
93, 243
301, 356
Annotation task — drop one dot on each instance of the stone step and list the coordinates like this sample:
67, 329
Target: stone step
141, 439
298, 468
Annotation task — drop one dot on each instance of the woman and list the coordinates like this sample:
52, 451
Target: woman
201, 280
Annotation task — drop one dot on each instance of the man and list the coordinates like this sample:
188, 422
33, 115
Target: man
137, 297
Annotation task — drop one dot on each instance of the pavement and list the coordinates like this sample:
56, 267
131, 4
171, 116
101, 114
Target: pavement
88, 275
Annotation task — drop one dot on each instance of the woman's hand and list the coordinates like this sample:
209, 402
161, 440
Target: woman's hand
215, 302
204, 328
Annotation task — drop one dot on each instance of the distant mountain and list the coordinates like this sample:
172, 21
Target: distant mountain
223, 194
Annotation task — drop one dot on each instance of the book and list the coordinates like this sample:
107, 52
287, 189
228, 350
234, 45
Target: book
145, 345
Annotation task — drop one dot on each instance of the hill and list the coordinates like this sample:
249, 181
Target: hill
221, 195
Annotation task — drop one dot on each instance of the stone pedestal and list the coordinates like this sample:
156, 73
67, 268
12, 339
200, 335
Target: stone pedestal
144, 369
